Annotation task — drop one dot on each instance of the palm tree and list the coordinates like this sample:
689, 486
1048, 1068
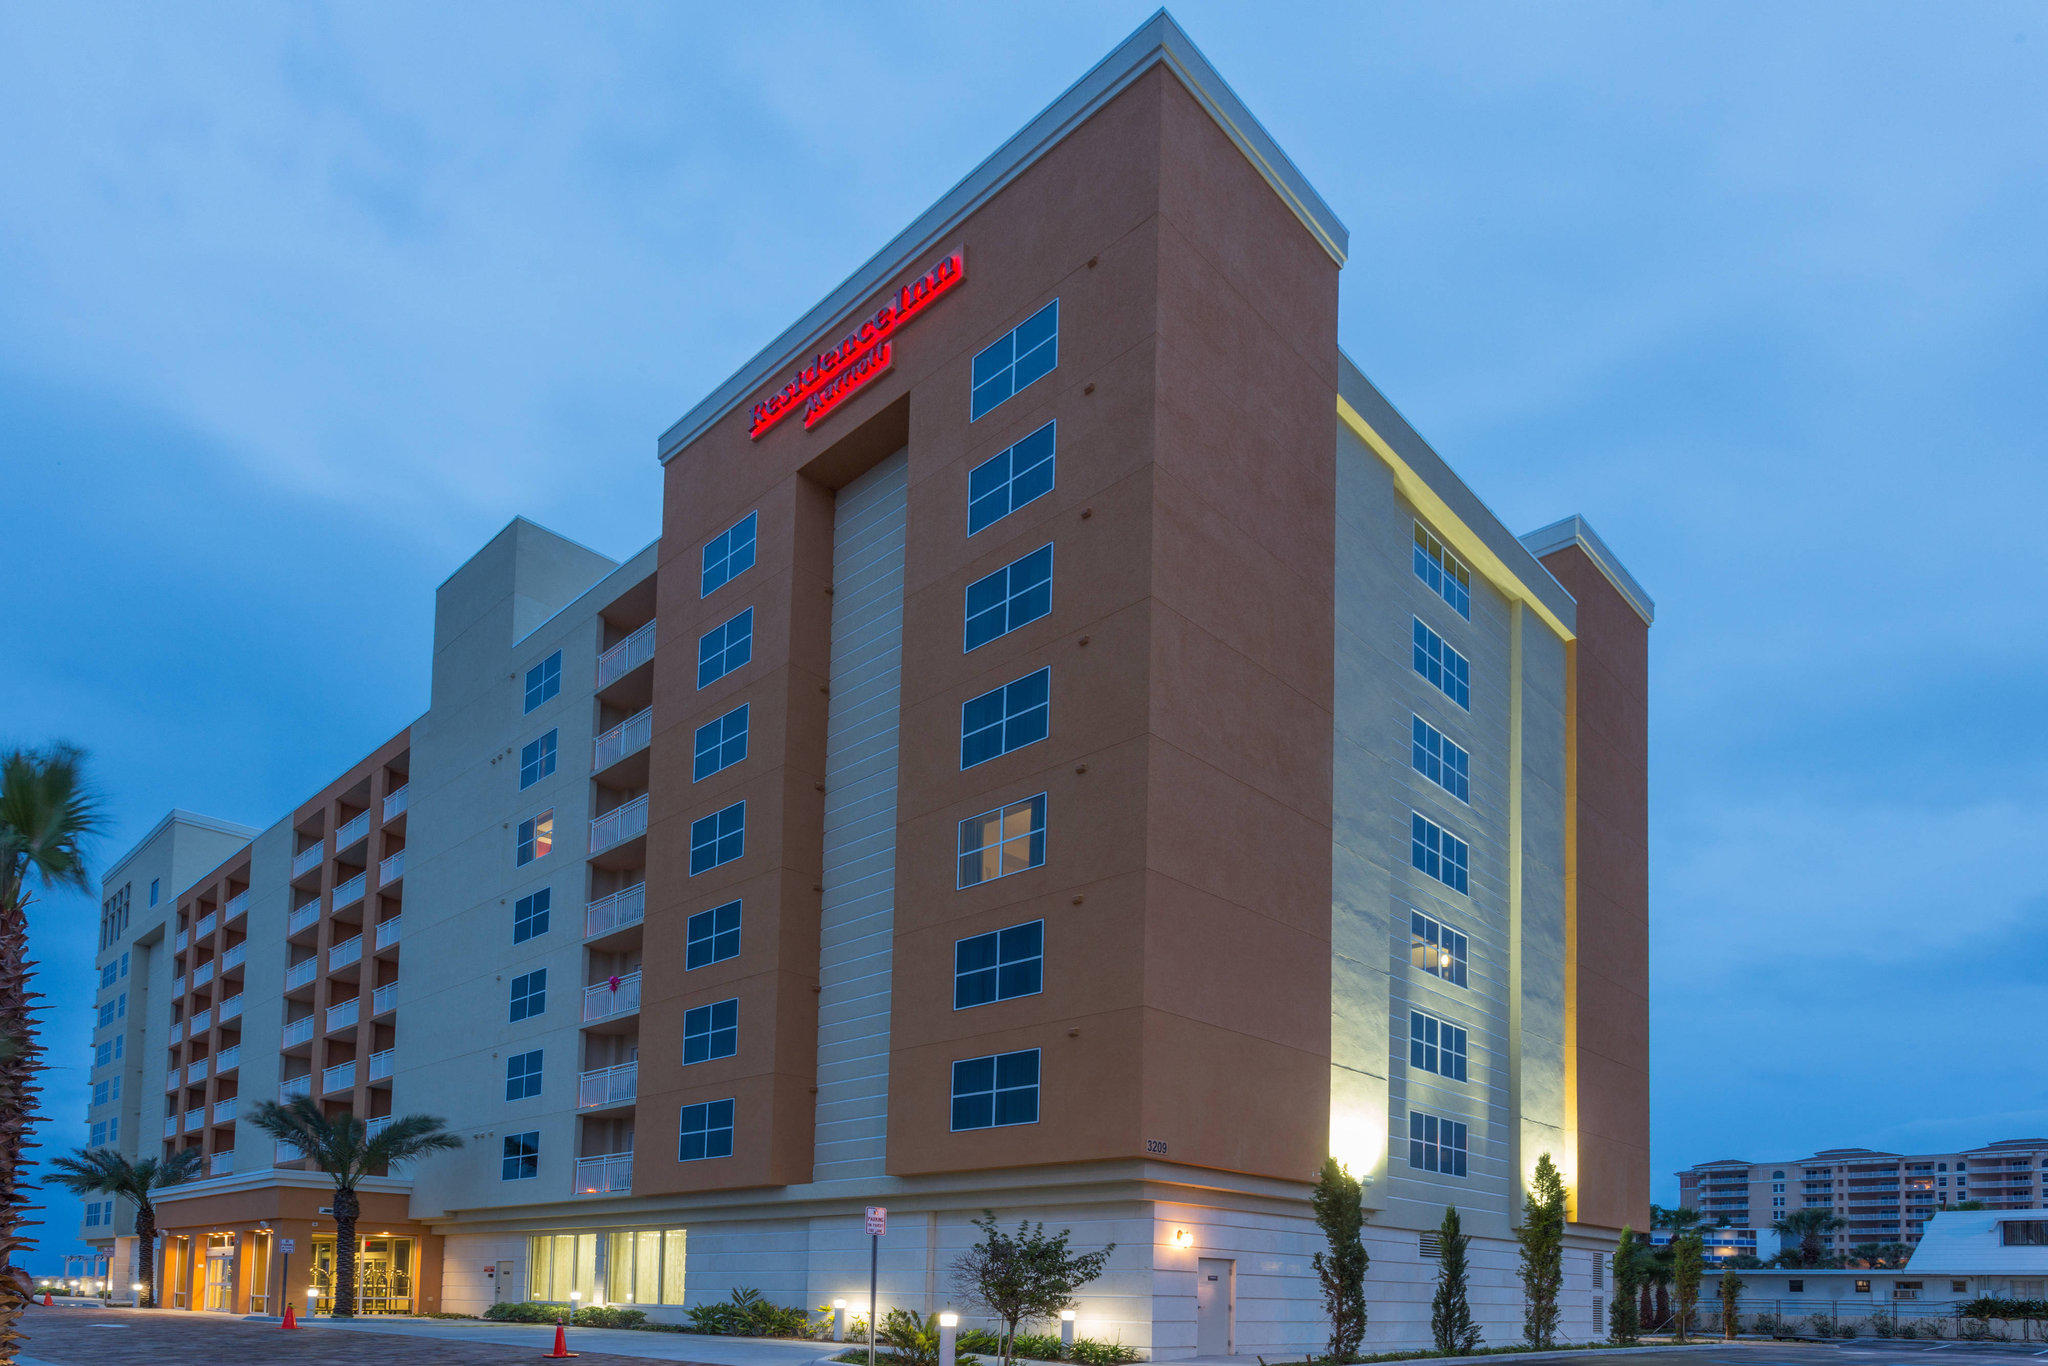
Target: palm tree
1808, 1228
347, 1151
102, 1171
48, 813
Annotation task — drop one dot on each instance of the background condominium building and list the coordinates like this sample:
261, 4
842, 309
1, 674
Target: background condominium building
1073, 751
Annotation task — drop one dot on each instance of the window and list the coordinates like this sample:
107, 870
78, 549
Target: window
153, 885
1010, 478
996, 1091
530, 914
92, 1207
1958, 1287
124, 973
999, 965
1795, 1286
2023, 1233
1862, 1287
711, 1031
712, 936
728, 555
522, 1156
720, 744
544, 680
102, 1054
628, 1266
722, 649
1006, 840
99, 1093
1440, 569
1436, 851
1436, 1045
120, 1046
1437, 948
1019, 592
1005, 718
106, 1014
109, 972
522, 1075
536, 838
1439, 759
536, 760
121, 1006
706, 1131
1777, 1176
718, 838
1436, 1144
1018, 358
529, 994
1443, 666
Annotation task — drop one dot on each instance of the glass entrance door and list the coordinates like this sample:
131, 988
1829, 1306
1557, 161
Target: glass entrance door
220, 1279
384, 1275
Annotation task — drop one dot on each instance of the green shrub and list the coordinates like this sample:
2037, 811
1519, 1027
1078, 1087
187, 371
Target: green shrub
749, 1314
1037, 1346
430, 1314
1089, 1352
526, 1311
979, 1340
608, 1316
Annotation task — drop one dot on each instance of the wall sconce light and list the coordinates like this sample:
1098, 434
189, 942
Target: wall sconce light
1183, 1238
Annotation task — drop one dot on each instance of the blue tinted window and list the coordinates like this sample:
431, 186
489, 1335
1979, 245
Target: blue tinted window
1005, 718
544, 680
728, 555
722, 649
530, 915
1436, 661
1437, 852
1436, 1144
1442, 571
1437, 948
720, 744
711, 1031
1009, 839
529, 994
718, 838
999, 1090
712, 936
521, 1158
536, 760
1016, 359
1441, 761
1019, 592
1436, 1045
706, 1131
999, 965
522, 1075
1010, 478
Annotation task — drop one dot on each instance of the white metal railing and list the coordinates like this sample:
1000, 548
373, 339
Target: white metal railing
195, 1072
184, 940
228, 1059
237, 904
298, 1031
626, 656
384, 998
373, 1127
396, 800
171, 1078
350, 892
340, 1077
300, 973
630, 736
619, 824
195, 1117
351, 831
601, 1001
380, 1065
221, 1163
225, 1110
304, 916
388, 931
295, 1086
392, 868
202, 974
608, 1086
170, 1126
307, 859
206, 926
235, 956
201, 1021
606, 1175
345, 1013
627, 906
344, 953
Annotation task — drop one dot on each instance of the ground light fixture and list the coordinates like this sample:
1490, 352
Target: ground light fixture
839, 1320
1066, 1328
949, 1328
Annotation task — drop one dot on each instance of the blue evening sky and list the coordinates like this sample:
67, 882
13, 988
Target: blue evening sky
299, 304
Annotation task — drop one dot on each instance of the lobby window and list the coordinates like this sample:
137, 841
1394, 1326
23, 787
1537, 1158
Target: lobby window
536, 760
1436, 661
521, 1160
522, 1075
728, 555
1007, 840
544, 680
711, 1031
711, 936
1436, 1144
1019, 358
1438, 758
718, 838
1436, 851
529, 994
1440, 569
530, 914
1005, 718
720, 744
536, 838
1019, 592
1437, 948
999, 966
1436, 1046
724, 648
1010, 478
705, 1131
996, 1091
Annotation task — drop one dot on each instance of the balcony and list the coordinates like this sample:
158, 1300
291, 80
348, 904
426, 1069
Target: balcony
627, 906
373, 1127
380, 1065
202, 974
388, 931
228, 1059
619, 824
602, 1002
237, 905
384, 999
224, 1110
391, 869
234, 957
340, 1077
200, 1022
396, 801
304, 916
352, 833
604, 1087
611, 1174
306, 860
350, 892
184, 940
345, 1014
295, 1086
195, 1072
206, 926
301, 972
298, 1031
626, 656
630, 736
221, 1163
195, 1117
348, 951
170, 1126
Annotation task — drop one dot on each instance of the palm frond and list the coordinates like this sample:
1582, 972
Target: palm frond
48, 813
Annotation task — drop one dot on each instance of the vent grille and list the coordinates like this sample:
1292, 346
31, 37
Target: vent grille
1432, 1244
1599, 1272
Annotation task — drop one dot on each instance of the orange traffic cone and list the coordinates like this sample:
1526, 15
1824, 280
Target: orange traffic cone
291, 1320
561, 1346
48, 1303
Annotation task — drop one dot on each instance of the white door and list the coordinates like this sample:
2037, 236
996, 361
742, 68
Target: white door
1215, 1305
502, 1288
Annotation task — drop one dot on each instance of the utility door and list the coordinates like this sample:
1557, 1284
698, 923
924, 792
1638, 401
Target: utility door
502, 1288
1215, 1306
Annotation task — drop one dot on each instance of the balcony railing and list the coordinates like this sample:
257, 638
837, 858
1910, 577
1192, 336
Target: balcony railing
350, 892
304, 916
228, 1059
388, 931
352, 831
602, 1002
295, 1086
195, 1117
340, 1077
237, 904
195, 1072
626, 656
630, 736
306, 860
373, 1127
206, 926
606, 1175
380, 1065
396, 800
201, 1021
298, 1031
347, 951
300, 973
627, 906
224, 1110
170, 1126
608, 1086
345, 1014
221, 1163
202, 974
384, 999
619, 824
391, 869
184, 940
234, 957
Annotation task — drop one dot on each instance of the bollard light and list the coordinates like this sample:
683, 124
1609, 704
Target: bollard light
1066, 1329
839, 1320
949, 1329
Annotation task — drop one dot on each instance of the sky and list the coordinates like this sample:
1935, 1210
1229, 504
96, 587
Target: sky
300, 304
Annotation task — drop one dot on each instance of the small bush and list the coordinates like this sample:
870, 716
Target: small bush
1038, 1346
608, 1316
525, 1311
749, 1314
1091, 1353
429, 1314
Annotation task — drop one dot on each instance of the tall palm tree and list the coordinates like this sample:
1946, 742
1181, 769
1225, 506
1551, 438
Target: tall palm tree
102, 1171
1809, 1229
48, 813
347, 1151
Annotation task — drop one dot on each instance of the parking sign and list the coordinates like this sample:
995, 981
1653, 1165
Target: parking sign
878, 1220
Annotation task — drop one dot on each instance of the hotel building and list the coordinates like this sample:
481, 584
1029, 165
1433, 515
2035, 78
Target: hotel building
1074, 751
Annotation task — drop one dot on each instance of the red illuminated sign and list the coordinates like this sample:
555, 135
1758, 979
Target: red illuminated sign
834, 376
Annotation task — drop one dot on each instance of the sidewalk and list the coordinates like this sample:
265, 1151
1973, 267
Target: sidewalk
624, 1342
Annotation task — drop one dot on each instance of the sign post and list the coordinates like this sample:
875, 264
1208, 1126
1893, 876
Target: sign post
284, 1280
877, 1225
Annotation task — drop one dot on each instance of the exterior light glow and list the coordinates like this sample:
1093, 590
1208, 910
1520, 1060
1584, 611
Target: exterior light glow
839, 1304
1183, 1238
949, 1320
1066, 1316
